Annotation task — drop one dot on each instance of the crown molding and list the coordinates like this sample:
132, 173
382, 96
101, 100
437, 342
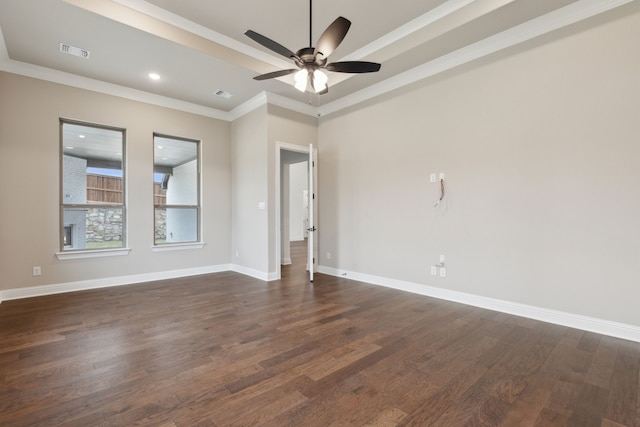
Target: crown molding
202, 31
73, 80
290, 104
268, 98
410, 27
573, 13
563, 17
248, 106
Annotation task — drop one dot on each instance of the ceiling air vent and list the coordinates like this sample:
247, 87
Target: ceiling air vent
75, 51
223, 94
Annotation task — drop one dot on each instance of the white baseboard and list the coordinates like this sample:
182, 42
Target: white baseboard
36, 291
600, 326
585, 323
82, 285
257, 274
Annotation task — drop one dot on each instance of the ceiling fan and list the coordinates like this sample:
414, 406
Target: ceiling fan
310, 60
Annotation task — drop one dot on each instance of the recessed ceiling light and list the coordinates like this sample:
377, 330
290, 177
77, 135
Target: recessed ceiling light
81, 136
154, 76
69, 148
160, 147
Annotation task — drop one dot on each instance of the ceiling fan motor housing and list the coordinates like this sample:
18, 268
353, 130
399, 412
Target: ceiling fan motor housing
305, 58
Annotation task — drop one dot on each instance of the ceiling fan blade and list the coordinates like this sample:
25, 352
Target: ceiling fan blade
354, 67
270, 44
332, 36
274, 74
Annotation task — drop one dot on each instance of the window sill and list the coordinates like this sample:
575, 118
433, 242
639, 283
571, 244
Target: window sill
63, 256
177, 246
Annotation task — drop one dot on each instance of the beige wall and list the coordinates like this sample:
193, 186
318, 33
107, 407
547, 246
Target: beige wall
291, 128
29, 175
249, 177
538, 144
541, 154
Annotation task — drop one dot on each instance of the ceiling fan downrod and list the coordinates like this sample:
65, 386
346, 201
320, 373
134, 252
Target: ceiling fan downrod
310, 21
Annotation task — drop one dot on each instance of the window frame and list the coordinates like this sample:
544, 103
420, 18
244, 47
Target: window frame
66, 252
198, 243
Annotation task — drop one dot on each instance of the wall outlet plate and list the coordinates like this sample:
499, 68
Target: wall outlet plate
443, 272
434, 270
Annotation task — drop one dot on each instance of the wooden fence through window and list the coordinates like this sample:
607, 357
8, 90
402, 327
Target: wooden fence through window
108, 189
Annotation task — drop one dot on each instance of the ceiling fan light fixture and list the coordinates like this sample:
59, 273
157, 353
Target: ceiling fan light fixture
319, 81
301, 80
311, 60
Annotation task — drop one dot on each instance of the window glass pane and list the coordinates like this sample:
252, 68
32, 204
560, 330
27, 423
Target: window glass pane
93, 228
176, 225
92, 187
176, 190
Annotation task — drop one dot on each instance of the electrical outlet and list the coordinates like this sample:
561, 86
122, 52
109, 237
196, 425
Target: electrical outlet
328, 255
433, 177
441, 175
434, 270
443, 272
36, 271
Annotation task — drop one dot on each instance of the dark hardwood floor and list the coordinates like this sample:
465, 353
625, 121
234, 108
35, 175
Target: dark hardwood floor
227, 350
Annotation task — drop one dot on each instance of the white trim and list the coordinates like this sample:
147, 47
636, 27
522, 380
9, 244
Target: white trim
261, 275
290, 104
177, 247
202, 31
278, 214
266, 98
74, 80
285, 261
407, 29
575, 12
36, 291
248, 106
592, 324
97, 253
562, 17
600, 326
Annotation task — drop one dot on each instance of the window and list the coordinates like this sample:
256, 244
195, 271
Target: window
92, 200
176, 167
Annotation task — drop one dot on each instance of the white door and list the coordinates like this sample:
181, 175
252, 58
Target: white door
311, 240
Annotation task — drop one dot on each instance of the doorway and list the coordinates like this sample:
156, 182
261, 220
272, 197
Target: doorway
292, 211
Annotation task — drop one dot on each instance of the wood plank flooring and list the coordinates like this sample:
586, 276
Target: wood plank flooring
227, 350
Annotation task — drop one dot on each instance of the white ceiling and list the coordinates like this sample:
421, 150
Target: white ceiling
199, 47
